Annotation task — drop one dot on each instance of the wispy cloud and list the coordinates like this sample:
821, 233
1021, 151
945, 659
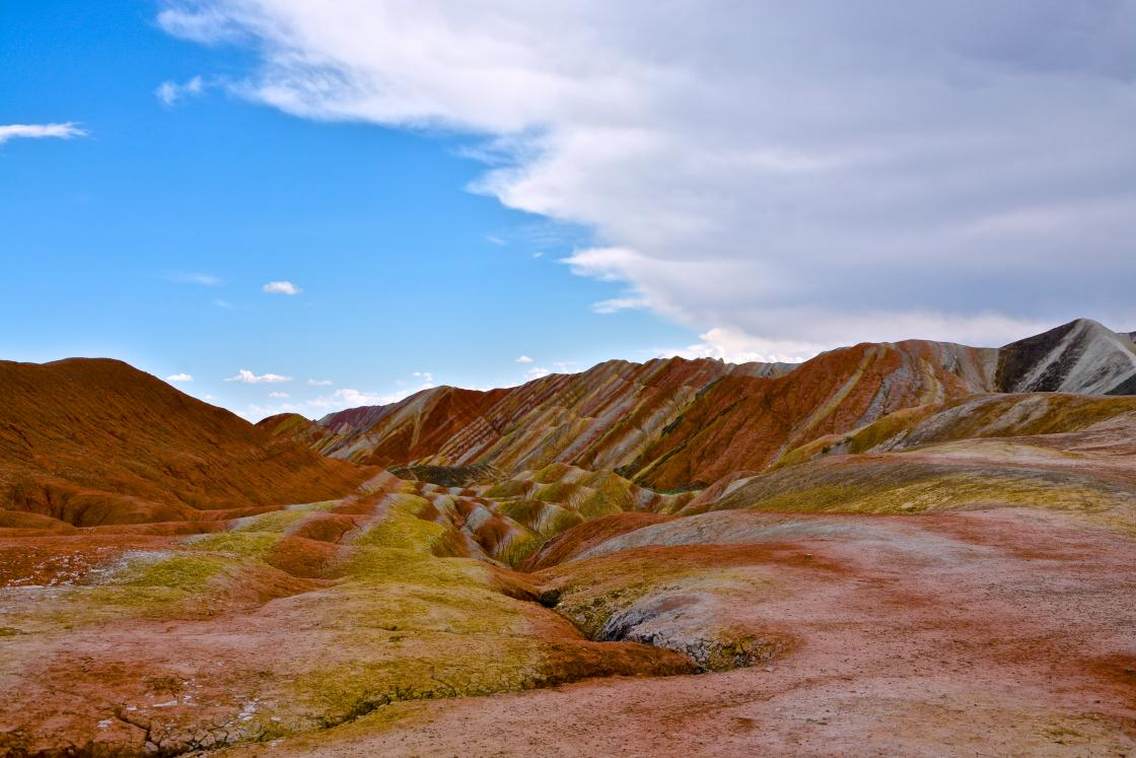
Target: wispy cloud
200, 24
536, 372
179, 378
191, 277
66, 130
349, 397
617, 304
281, 288
170, 92
524, 359
339, 399
244, 376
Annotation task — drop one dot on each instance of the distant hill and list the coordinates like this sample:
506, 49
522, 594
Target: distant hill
95, 441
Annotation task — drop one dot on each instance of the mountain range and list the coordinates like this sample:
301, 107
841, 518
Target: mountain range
925, 535
681, 424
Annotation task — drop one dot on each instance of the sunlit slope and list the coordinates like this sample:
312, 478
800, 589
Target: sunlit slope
95, 441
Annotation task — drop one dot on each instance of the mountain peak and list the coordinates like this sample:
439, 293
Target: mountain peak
1080, 356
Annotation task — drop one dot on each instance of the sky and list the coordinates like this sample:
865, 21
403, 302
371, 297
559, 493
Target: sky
295, 205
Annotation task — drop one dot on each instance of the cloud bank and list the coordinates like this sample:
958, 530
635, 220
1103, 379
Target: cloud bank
792, 176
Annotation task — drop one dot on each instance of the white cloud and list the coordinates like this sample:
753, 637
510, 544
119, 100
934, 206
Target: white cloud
347, 397
65, 130
735, 346
257, 411
281, 288
245, 376
320, 382
536, 372
798, 174
524, 359
200, 24
179, 378
278, 395
170, 92
617, 304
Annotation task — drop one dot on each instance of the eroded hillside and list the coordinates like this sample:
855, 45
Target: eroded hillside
677, 424
884, 556
85, 442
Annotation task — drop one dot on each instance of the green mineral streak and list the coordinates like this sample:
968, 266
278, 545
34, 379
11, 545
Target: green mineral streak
244, 543
186, 572
937, 493
401, 527
283, 520
519, 548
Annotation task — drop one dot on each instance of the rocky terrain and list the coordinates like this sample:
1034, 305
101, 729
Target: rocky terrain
914, 548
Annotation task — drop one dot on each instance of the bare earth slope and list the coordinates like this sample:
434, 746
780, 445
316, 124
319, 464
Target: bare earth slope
92, 441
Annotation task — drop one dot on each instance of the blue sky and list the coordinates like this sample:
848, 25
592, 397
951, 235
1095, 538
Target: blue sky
402, 270
451, 186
